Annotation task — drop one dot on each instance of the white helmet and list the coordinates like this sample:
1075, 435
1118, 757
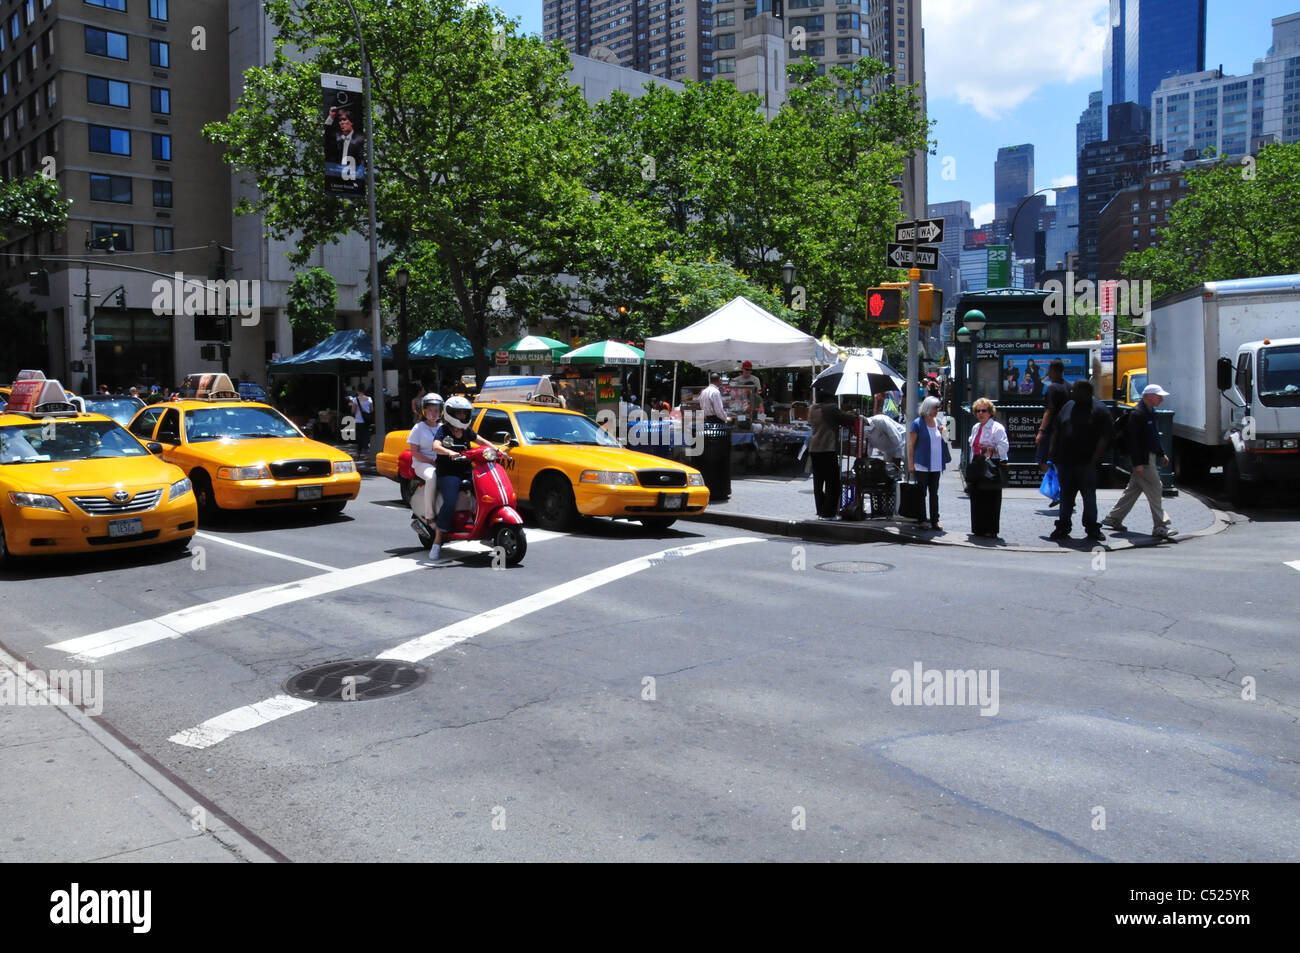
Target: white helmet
431, 400
457, 412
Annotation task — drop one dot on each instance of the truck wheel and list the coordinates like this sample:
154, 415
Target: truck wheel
1232, 482
552, 501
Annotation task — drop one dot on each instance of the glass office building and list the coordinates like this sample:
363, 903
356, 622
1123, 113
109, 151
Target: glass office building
1147, 42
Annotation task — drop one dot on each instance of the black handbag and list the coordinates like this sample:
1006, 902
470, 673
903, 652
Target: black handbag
982, 472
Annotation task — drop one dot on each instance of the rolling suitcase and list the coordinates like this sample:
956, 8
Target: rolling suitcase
910, 501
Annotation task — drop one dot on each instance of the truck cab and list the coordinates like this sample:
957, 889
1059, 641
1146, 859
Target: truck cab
1262, 385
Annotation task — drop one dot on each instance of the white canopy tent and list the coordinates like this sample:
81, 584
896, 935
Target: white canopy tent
738, 331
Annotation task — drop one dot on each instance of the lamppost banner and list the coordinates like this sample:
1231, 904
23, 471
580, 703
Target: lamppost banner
343, 116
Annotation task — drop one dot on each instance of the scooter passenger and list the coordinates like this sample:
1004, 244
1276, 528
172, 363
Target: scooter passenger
423, 456
452, 438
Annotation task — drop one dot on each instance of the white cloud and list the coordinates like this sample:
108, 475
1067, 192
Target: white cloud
982, 214
1065, 181
993, 57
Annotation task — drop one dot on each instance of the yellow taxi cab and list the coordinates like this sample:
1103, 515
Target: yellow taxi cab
242, 454
564, 465
76, 482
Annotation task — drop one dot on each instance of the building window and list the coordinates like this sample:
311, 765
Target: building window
101, 233
726, 65
162, 147
108, 92
105, 43
158, 9
727, 41
725, 19
106, 139
110, 188
162, 239
848, 45
162, 194
160, 100
109, 4
29, 11
159, 54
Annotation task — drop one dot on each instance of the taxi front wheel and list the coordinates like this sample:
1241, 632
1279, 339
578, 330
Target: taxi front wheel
7, 559
553, 504
205, 496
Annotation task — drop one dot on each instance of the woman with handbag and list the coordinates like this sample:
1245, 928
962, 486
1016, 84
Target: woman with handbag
988, 451
928, 454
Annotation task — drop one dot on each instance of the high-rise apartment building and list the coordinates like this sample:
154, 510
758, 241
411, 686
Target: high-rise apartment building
1088, 128
1106, 167
956, 222
894, 34
110, 98
1148, 41
668, 38
1233, 115
1013, 179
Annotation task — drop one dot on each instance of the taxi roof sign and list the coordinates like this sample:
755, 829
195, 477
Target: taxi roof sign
36, 394
30, 376
209, 387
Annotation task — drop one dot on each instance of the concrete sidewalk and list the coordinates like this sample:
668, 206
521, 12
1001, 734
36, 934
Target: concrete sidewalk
784, 505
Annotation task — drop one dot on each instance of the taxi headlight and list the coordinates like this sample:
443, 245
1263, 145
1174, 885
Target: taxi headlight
259, 472
695, 479
179, 489
1291, 444
345, 466
37, 501
608, 477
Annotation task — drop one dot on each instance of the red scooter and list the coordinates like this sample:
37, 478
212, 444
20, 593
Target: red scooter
484, 511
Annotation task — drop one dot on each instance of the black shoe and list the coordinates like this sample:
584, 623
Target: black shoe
1059, 533
1096, 535
1056, 502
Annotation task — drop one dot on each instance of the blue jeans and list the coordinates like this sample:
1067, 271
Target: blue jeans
1078, 478
449, 487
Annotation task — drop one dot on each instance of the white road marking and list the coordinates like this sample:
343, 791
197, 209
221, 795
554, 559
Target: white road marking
1294, 564
99, 645
220, 728
266, 552
241, 719
434, 642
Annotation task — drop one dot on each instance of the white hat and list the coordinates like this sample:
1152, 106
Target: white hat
1154, 389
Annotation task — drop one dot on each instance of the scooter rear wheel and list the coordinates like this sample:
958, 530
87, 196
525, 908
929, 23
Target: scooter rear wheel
510, 539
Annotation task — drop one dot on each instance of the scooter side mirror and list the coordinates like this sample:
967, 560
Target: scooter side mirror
512, 442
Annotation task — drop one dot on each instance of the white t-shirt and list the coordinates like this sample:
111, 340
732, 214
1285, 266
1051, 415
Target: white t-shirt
936, 452
421, 437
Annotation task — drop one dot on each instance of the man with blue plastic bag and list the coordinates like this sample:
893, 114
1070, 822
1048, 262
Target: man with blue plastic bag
1054, 397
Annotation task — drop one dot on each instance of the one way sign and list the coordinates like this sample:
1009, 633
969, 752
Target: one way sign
922, 230
900, 256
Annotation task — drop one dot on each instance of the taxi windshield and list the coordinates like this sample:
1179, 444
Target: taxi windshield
235, 423
539, 427
57, 441
121, 409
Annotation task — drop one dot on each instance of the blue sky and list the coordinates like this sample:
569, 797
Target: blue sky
999, 74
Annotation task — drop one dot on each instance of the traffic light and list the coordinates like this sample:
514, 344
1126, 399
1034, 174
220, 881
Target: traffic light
38, 282
120, 300
930, 306
885, 305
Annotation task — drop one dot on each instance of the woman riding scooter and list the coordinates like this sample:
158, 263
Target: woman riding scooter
423, 457
450, 440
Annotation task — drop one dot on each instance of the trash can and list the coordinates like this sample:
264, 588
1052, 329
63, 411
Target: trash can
715, 463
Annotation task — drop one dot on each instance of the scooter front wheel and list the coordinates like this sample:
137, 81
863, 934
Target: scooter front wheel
510, 539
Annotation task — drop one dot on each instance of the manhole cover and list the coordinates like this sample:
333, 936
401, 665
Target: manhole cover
848, 565
356, 680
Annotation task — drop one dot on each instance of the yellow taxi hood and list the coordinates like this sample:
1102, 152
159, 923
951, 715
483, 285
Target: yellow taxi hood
607, 458
253, 450
82, 476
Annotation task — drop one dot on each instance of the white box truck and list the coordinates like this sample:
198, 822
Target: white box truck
1228, 352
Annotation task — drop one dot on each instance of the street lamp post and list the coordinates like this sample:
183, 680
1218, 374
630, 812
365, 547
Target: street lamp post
93, 361
968, 333
403, 345
1011, 229
787, 281
377, 361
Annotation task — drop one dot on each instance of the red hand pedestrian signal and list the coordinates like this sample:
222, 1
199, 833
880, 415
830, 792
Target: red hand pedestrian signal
884, 305
877, 304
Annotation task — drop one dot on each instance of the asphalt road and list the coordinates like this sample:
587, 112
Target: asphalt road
701, 693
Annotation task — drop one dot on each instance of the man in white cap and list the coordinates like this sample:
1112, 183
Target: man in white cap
1146, 453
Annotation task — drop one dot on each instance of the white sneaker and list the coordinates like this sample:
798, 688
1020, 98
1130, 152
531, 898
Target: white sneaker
435, 551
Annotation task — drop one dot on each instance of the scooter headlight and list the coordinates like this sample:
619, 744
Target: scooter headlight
490, 455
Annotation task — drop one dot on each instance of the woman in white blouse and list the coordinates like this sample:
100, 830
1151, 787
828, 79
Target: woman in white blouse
988, 439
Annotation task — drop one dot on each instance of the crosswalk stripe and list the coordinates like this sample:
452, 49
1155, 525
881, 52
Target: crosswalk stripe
218, 729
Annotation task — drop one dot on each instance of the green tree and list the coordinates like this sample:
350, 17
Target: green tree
479, 141
313, 307
34, 205
1236, 221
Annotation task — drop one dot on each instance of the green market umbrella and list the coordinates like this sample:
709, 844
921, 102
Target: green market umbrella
534, 349
605, 352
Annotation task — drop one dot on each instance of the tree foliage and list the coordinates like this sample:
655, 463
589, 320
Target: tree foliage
1236, 221
477, 134
34, 204
313, 307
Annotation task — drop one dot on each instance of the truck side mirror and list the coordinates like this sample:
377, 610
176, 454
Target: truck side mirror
1224, 371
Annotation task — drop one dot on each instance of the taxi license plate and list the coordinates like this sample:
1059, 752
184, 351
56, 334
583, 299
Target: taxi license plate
131, 527
309, 492
674, 501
